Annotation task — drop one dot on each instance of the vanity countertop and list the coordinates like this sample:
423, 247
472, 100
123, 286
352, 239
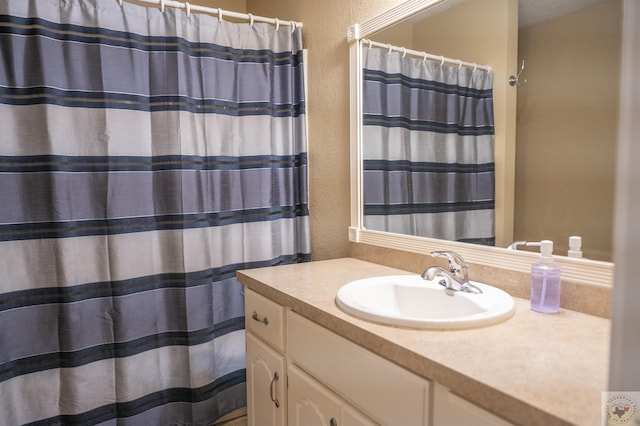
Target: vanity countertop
532, 369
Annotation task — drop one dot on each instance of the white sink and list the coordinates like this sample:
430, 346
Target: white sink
411, 301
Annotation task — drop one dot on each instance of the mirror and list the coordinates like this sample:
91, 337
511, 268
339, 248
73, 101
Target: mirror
569, 101
429, 166
513, 211
566, 137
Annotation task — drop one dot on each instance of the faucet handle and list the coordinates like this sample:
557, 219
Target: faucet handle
456, 262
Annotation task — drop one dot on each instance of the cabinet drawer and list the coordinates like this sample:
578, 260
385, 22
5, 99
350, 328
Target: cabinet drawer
384, 391
264, 318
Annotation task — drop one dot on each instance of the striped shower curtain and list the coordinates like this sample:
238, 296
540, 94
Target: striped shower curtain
145, 156
428, 144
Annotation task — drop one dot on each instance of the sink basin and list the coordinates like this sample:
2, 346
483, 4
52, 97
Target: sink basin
410, 301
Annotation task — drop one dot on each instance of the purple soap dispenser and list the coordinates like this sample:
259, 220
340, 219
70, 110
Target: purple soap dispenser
545, 281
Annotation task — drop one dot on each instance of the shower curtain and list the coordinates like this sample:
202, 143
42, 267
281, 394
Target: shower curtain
145, 156
428, 144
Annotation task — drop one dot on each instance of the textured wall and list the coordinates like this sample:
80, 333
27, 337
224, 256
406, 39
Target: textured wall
325, 36
567, 129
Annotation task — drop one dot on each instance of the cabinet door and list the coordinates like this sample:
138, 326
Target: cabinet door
310, 403
451, 410
351, 417
266, 397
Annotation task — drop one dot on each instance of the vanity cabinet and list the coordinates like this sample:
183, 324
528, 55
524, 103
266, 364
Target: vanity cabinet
299, 374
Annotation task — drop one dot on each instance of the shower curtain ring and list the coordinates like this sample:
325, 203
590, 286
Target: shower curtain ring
424, 56
188, 7
441, 61
277, 24
293, 27
459, 63
120, 2
475, 67
250, 20
162, 6
404, 52
219, 15
390, 49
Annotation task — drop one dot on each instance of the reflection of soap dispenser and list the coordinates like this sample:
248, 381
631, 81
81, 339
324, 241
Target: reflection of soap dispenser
575, 244
545, 281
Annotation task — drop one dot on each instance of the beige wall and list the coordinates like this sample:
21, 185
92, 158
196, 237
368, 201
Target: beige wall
400, 35
325, 36
567, 129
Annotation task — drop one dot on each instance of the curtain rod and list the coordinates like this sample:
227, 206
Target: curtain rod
188, 7
426, 56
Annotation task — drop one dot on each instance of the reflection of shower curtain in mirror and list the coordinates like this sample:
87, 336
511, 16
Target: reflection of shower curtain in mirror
428, 148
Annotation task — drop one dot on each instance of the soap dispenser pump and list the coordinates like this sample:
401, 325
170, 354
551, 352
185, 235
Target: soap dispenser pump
575, 244
545, 281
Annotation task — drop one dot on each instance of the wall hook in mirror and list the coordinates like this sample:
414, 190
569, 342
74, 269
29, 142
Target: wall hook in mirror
515, 80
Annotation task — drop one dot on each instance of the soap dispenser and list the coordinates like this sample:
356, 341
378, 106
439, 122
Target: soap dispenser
545, 281
575, 244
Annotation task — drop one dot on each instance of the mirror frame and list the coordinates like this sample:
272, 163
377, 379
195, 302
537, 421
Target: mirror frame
577, 270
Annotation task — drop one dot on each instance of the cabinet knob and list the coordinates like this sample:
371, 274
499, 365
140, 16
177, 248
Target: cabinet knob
264, 320
333, 422
272, 389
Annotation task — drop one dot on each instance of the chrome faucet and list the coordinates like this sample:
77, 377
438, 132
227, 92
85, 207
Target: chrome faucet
514, 245
456, 278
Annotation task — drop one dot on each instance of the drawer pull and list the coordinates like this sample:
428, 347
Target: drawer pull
264, 320
272, 389
333, 422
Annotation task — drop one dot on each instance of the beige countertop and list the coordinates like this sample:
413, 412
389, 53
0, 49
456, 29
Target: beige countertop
532, 369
